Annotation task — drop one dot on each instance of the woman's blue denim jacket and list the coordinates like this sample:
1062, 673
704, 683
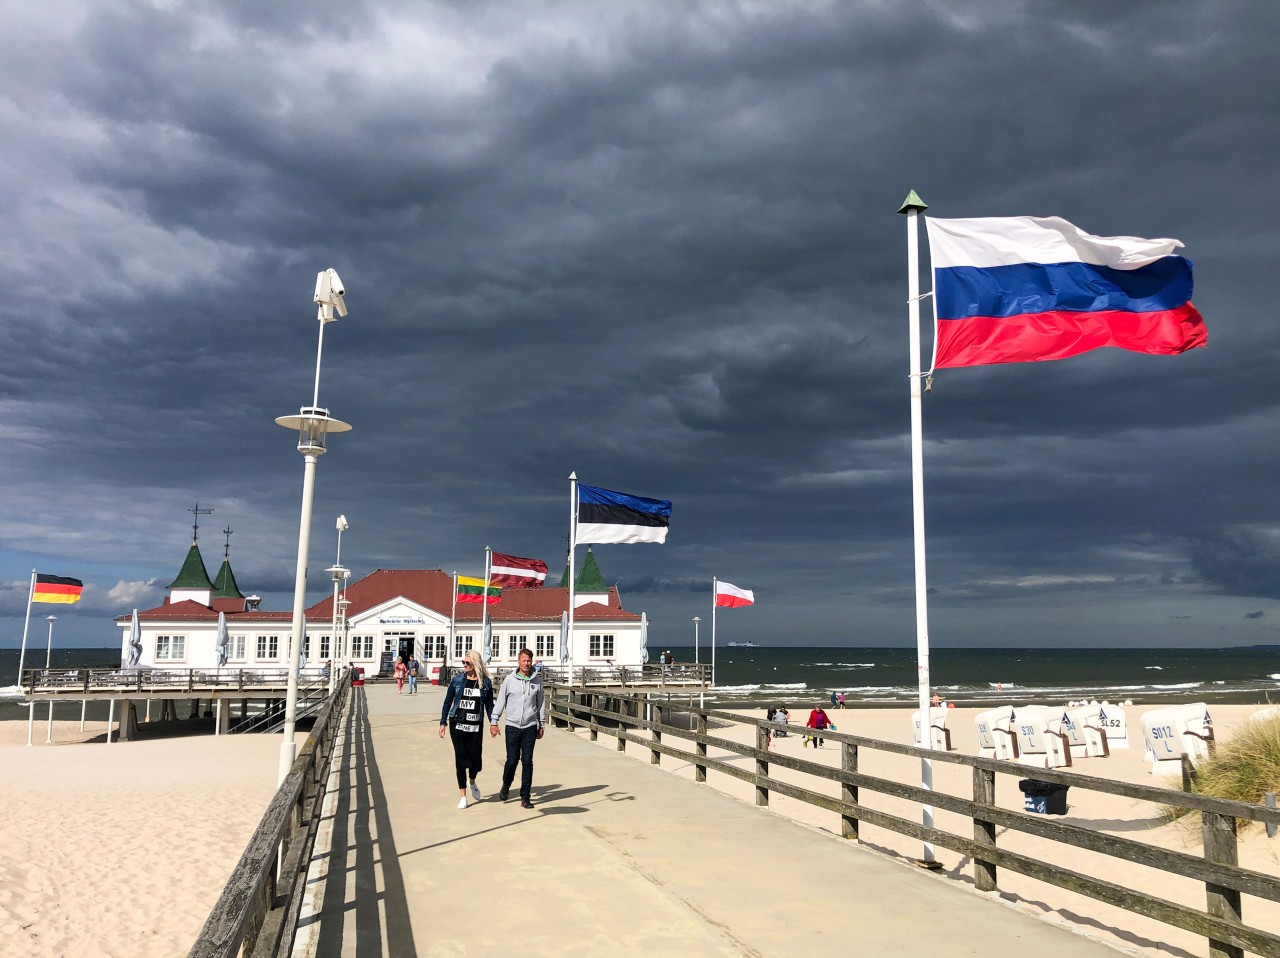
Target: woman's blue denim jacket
454, 695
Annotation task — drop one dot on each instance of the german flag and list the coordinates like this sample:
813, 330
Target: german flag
472, 590
57, 588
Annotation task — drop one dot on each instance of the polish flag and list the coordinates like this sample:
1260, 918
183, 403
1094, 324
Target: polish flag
731, 597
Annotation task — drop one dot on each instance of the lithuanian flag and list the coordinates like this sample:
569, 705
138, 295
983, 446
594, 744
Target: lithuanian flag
57, 588
472, 590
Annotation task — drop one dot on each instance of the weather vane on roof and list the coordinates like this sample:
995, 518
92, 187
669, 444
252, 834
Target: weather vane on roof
195, 526
226, 549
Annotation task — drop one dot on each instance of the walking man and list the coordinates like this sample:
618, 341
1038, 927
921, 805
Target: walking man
522, 701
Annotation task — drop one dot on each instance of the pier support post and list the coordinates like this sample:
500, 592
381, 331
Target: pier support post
762, 767
1219, 834
984, 832
700, 769
655, 756
849, 763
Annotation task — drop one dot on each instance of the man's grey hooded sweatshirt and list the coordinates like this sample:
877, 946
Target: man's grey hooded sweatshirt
522, 701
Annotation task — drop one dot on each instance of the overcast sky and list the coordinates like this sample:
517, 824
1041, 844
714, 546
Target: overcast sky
653, 243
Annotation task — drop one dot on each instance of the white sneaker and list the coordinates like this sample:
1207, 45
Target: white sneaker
462, 802
475, 791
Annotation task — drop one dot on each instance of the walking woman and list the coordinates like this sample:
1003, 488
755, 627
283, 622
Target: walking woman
466, 704
401, 671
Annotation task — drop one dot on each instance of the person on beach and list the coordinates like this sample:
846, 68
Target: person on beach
782, 717
840, 704
468, 699
412, 668
522, 700
400, 671
818, 721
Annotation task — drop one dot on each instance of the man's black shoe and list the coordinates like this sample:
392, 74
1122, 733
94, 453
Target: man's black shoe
525, 803
503, 795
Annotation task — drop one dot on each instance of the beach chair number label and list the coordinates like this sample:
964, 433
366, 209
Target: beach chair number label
1163, 733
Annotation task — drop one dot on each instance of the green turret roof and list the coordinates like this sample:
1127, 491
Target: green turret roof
224, 583
193, 574
590, 579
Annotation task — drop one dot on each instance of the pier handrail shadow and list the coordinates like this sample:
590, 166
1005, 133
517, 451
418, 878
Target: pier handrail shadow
646, 722
257, 912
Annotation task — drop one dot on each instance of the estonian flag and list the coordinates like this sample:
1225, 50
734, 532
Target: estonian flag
608, 516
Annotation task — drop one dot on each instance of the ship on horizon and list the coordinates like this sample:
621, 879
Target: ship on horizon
742, 645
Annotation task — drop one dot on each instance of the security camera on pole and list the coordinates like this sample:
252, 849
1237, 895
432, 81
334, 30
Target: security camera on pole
312, 424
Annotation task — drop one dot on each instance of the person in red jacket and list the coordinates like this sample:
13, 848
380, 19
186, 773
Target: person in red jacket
817, 721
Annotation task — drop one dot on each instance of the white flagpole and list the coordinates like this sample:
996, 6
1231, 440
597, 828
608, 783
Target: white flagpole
453, 619
573, 542
486, 630
913, 206
713, 631
31, 594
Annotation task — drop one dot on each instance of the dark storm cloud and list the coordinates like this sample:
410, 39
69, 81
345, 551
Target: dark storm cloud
655, 245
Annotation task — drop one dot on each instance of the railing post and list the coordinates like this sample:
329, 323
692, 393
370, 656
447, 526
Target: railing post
595, 719
570, 704
849, 763
623, 709
1219, 835
762, 767
655, 757
700, 769
984, 832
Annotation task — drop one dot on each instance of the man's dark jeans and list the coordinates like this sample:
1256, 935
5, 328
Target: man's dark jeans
520, 750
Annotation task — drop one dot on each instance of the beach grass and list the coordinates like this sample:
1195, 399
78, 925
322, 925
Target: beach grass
1243, 769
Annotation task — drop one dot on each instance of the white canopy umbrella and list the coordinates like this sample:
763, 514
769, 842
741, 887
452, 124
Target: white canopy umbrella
134, 653
564, 638
644, 638
222, 641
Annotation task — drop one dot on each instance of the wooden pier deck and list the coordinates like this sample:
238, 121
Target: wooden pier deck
617, 858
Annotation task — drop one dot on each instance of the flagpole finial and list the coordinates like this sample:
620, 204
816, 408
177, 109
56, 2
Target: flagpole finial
913, 202
574, 476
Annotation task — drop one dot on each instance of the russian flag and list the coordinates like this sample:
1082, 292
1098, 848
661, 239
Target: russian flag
1030, 288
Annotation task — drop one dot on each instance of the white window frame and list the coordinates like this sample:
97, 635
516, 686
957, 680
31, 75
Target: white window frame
267, 648
544, 646
235, 648
362, 647
601, 646
171, 648
324, 647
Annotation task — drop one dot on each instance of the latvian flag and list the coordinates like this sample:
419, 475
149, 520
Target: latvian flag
731, 597
513, 572
57, 588
608, 516
472, 590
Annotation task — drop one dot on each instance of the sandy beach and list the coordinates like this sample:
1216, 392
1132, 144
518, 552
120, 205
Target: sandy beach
1107, 813
119, 851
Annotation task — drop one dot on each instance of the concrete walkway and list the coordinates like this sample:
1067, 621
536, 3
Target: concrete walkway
618, 858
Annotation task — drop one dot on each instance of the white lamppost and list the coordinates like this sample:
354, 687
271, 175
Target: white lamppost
48, 659
312, 424
696, 620
340, 576
342, 611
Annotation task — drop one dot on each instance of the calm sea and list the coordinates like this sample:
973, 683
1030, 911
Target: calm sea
875, 676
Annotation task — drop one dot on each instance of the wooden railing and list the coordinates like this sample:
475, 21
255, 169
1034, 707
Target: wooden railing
91, 681
257, 913
1221, 922
680, 674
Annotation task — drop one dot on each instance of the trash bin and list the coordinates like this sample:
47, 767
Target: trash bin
357, 675
1043, 798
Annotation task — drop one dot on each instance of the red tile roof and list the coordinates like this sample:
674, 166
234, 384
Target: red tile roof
431, 588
